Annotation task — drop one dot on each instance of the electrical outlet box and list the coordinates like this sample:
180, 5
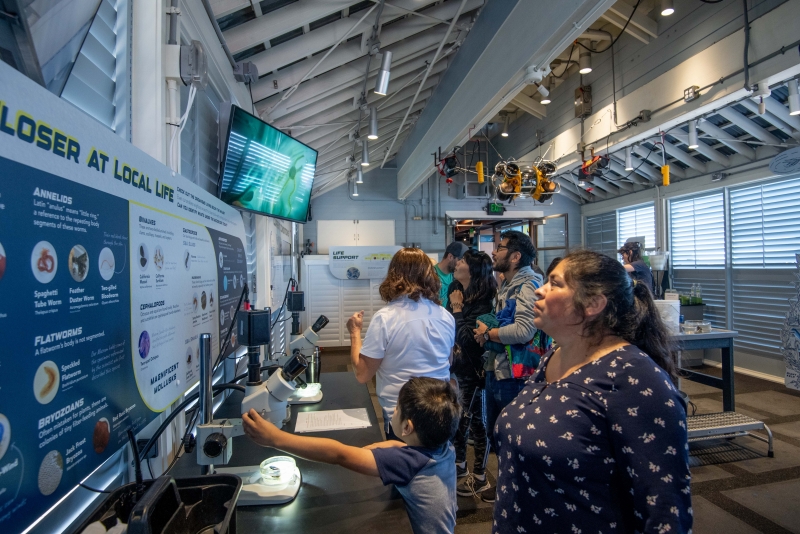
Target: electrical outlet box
152, 453
691, 93
583, 101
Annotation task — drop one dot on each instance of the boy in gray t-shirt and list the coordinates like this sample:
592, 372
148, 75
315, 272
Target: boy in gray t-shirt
422, 469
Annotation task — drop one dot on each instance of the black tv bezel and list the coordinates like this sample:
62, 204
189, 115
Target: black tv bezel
225, 158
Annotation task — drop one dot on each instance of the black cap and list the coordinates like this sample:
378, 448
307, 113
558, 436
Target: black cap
456, 249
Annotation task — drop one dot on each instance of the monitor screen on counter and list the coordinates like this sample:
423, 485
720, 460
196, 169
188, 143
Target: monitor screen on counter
266, 171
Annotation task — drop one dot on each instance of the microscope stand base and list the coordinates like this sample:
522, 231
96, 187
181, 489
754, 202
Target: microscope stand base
295, 399
257, 494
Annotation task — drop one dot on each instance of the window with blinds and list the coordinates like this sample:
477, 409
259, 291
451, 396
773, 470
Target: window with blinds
765, 223
99, 80
637, 221
200, 139
601, 233
697, 232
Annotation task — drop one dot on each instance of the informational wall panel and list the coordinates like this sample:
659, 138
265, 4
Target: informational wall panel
110, 269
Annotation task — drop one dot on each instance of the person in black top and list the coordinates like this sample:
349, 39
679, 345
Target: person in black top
637, 269
470, 296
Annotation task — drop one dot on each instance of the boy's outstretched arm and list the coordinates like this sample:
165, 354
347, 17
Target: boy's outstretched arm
328, 451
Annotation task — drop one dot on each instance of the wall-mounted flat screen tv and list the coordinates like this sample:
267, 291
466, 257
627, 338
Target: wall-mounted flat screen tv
266, 171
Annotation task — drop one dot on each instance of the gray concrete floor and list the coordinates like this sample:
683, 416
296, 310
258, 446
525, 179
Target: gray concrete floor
736, 488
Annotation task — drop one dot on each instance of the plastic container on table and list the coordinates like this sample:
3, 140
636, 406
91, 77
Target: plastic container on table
696, 327
198, 505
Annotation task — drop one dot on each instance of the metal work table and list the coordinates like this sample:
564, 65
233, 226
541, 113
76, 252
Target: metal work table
332, 499
716, 339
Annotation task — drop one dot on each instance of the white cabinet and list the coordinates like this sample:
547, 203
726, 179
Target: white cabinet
350, 233
336, 299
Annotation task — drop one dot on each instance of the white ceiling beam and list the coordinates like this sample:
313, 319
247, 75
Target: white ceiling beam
307, 113
226, 7
768, 116
344, 54
335, 112
655, 157
619, 22
711, 153
619, 168
748, 126
334, 81
782, 112
280, 21
530, 106
725, 138
645, 170
687, 159
639, 20
343, 147
326, 36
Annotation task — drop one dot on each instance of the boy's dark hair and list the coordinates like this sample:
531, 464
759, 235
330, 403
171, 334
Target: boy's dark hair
519, 242
432, 405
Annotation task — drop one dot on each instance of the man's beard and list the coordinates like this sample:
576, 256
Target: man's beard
502, 265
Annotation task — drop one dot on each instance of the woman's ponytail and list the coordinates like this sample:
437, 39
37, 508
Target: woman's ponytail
651, 335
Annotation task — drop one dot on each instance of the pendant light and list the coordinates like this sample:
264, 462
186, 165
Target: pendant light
693, 135
544, 89
364, 153
355, 190
794, 98
359, 176
585, 60
382, 81
373, 123
505, 126
667, 8
628, 159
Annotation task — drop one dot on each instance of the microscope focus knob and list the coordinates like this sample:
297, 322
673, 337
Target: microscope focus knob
214, 445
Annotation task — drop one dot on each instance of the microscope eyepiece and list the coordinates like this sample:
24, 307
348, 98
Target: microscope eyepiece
297, 364
320, 324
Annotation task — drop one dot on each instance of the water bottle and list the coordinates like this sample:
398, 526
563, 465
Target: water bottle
693, 294
699, 295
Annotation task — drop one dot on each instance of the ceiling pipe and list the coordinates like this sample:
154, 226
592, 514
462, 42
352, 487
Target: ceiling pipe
213, 19
438, 51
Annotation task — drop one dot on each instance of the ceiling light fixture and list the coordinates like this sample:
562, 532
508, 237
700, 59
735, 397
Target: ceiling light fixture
373, 123
693, 135
364, 153
359, 176
382, 81
355, 190
629, 159
505, 126
581, 183
794, 98
544, 90
667, 8
585, 60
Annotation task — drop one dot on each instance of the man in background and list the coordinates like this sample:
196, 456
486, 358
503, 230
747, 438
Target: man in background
512, 258
446, 267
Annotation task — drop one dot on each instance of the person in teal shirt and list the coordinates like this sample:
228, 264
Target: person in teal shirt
447, 265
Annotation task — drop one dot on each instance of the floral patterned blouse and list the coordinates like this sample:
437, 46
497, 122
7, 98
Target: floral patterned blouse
603, 450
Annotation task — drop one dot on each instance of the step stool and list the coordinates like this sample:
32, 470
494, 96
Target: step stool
726, 425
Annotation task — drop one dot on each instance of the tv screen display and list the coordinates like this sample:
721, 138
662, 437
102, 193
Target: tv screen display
266, 171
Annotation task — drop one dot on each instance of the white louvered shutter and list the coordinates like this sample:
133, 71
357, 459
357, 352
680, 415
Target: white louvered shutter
637, 221
601, 233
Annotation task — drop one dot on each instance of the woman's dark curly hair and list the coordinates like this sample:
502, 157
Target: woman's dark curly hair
634, 248
482, 284
630, 312
411, 273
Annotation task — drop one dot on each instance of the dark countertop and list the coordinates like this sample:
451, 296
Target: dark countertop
332, 499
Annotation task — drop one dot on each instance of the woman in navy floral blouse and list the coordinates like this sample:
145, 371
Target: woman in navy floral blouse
596, 442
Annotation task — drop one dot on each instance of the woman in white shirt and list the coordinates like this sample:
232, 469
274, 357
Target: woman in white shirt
411, 336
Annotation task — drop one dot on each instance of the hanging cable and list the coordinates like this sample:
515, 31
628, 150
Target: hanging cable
618, 36
569, 60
